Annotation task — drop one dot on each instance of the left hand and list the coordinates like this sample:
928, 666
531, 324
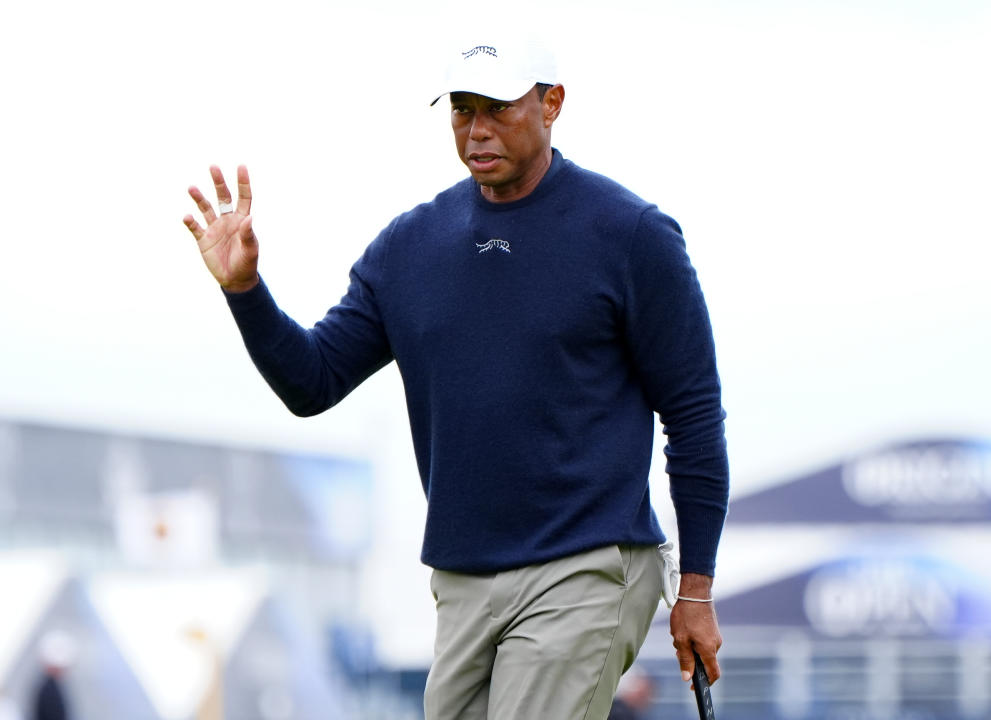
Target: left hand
694, 627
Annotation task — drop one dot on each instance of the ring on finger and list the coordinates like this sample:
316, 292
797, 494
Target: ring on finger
225, 208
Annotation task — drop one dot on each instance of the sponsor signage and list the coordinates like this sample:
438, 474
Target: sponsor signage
868, 597
928, 481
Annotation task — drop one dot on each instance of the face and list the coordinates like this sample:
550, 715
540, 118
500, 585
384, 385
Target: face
505, 144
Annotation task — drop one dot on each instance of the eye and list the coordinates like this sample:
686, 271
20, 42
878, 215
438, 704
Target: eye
498, 107
460, 109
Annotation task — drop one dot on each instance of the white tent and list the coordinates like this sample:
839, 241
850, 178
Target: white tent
41, 599
215, 644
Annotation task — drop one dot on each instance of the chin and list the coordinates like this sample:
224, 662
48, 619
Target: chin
487, 179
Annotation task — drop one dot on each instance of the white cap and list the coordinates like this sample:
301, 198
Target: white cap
502, 71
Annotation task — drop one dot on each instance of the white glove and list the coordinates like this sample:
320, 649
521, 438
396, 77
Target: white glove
670, 573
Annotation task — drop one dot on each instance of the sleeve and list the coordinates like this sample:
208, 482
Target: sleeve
313, 369
670, 337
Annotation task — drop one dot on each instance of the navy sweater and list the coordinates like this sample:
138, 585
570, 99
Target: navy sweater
535, 340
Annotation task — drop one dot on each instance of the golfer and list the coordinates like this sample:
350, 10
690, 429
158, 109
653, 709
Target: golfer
540, 316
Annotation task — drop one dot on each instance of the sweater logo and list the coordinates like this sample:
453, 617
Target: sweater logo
493, 243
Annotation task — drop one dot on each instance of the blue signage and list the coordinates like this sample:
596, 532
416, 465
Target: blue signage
885, 596
934, 481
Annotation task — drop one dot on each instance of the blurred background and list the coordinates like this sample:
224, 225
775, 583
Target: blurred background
175, 545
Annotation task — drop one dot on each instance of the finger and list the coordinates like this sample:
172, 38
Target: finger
190, 222
203, 204
223, 192
712, 669
686, 660
709, 662
243, 191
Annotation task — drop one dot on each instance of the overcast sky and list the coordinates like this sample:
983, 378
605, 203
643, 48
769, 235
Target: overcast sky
828, 162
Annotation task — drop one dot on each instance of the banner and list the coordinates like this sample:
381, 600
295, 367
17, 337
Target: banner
936, 481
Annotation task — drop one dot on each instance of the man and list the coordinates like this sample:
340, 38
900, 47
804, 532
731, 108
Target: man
539, 315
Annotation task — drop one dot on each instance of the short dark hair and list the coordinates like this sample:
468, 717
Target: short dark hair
542, 89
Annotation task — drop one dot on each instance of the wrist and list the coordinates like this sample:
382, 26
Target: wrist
235, 288
695, 586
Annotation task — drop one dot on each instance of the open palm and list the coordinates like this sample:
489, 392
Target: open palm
227, 243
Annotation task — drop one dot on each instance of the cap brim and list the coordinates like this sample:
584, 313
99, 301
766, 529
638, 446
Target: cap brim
503, 92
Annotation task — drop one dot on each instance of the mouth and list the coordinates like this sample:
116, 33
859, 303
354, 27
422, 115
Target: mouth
483, 161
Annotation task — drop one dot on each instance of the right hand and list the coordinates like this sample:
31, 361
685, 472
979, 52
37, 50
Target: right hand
228, 243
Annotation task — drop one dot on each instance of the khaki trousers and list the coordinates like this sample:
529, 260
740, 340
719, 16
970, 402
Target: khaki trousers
543, 642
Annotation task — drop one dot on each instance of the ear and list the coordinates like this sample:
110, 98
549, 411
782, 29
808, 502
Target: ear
552, 104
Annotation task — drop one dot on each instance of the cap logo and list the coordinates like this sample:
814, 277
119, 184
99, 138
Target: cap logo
485, 49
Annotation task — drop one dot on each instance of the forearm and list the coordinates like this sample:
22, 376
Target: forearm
309, 369
281, 349
698, 468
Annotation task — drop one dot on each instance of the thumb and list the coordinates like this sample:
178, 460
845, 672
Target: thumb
246, 233
686, 660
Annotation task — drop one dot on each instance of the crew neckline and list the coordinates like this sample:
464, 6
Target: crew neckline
546, 182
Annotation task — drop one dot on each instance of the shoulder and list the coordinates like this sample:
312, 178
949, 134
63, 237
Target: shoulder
417, 229
616, 208
588, 183
421, 220
454, 199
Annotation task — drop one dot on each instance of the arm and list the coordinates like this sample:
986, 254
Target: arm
309, 369
671, 340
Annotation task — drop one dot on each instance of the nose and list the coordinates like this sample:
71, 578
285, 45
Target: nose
480, 128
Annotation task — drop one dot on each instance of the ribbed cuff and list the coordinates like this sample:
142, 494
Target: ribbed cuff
698, 539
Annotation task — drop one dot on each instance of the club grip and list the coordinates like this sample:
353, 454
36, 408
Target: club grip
702, 695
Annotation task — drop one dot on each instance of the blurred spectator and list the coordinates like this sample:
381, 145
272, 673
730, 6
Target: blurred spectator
58, 652
211, 707
633, 696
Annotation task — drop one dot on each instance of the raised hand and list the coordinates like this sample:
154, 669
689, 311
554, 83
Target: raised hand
228, 243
